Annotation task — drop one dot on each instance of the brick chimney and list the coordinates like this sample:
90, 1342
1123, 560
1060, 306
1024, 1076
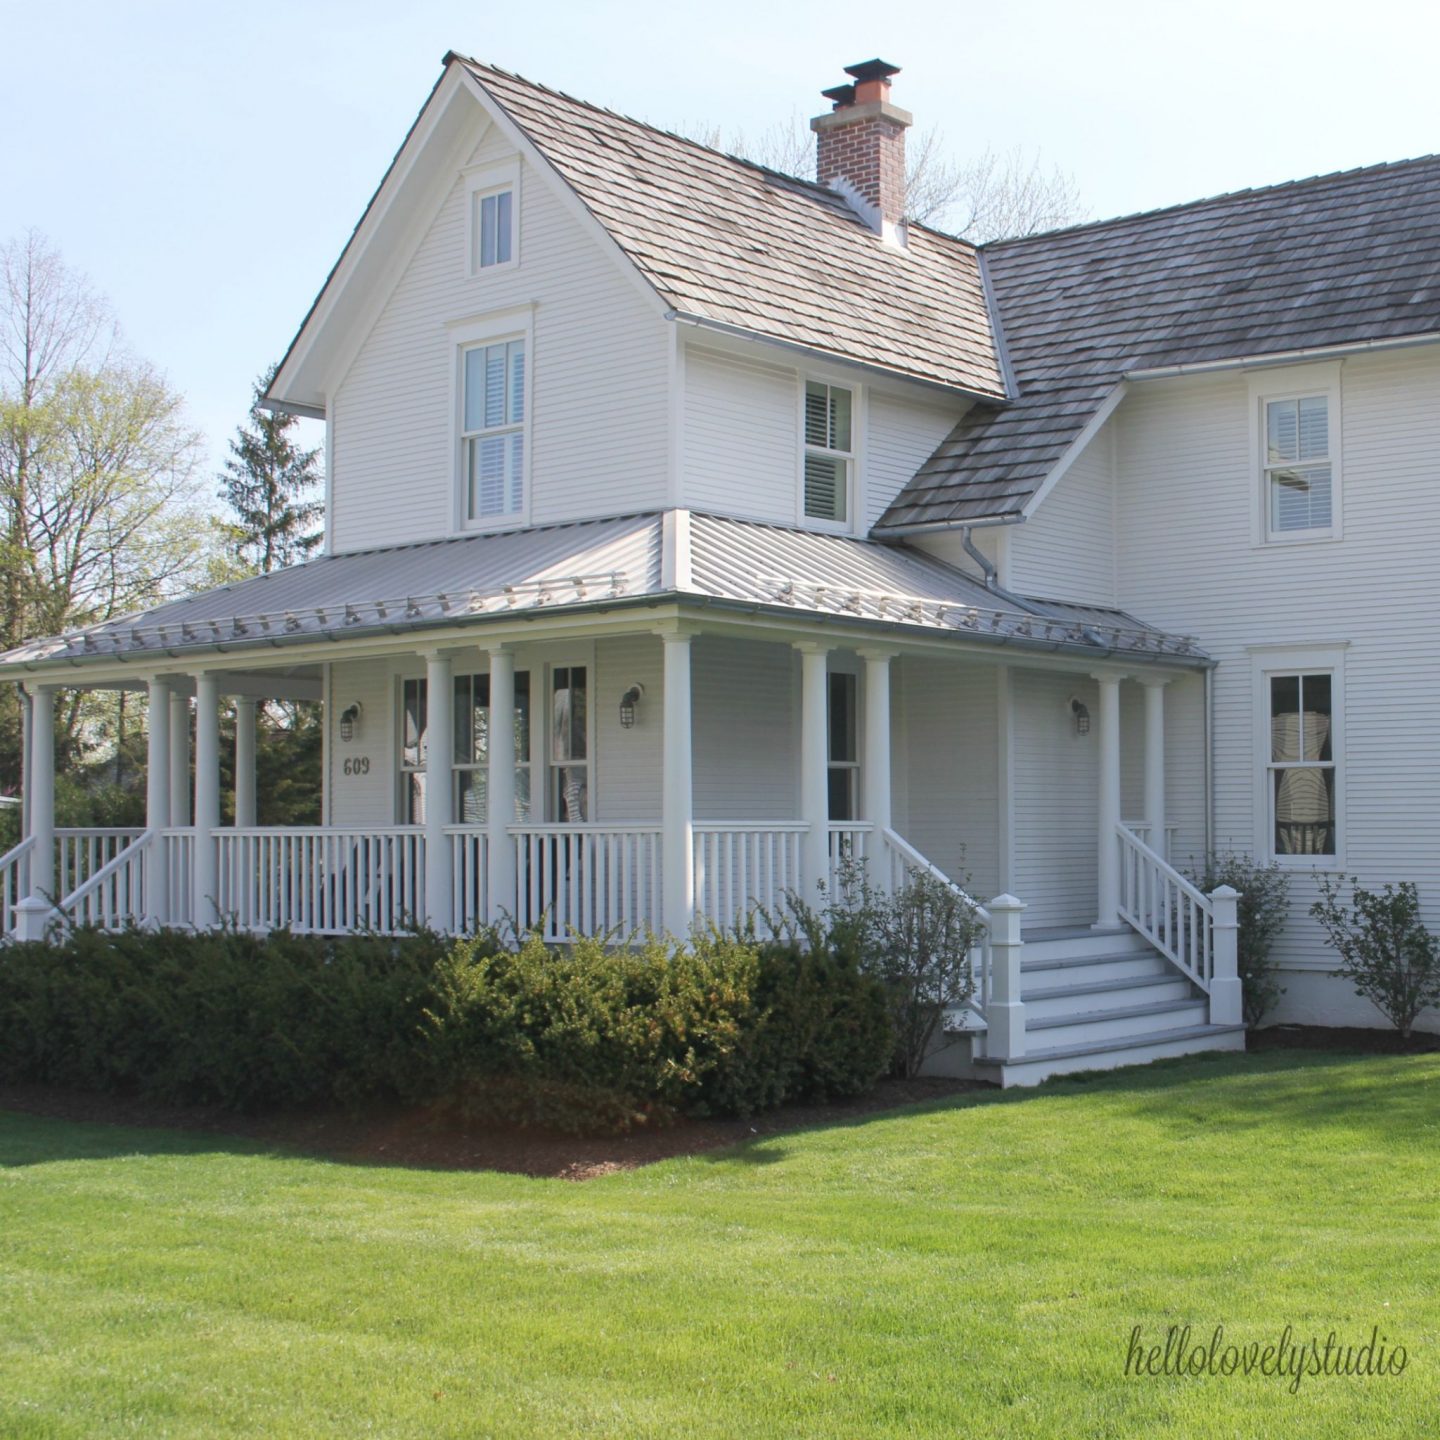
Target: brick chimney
860, 147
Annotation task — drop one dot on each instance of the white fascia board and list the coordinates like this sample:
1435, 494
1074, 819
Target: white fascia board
1076, 449
569, 199
293, 388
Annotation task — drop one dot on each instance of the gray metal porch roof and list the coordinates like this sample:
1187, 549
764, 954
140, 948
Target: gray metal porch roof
599, 565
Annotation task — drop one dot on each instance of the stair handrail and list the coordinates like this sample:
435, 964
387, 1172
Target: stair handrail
67, 908
14, 881
980, 956
1172, 913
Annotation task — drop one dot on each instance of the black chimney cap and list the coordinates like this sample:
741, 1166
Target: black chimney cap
872, 70
841, 95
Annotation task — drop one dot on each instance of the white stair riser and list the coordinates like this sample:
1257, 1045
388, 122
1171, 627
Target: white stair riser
1117, 997
1083, 1031
1033, 1072
1116, 967
1084, 945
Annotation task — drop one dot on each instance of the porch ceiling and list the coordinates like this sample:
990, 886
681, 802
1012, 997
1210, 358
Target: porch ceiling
598, 566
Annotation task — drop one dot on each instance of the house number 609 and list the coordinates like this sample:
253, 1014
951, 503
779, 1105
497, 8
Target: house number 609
357, 765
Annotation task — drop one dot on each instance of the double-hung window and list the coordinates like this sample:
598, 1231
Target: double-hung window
492, 436
829, 459
1299, 475
844, 747
1302, 768
569, 744
491, 238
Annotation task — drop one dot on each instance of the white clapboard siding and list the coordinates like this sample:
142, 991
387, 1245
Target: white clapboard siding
947, 805
627, 769
1066, 549
1187, 483
746, 716
1056, 797
600, 368
368, 793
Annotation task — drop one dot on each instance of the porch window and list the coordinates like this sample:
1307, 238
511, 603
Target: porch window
493, 429
844, 747
471, 761
1302, 765
569, 748
828, 454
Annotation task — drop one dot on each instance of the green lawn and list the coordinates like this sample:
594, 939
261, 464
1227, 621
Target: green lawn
969, 1268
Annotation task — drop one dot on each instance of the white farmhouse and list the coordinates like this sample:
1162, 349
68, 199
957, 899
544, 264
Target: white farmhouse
691, 528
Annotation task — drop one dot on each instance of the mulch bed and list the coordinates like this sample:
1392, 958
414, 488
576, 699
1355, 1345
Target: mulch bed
1351, 1039
417, 1138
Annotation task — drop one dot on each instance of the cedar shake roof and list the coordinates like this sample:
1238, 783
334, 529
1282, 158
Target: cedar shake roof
736, 245
1329, 261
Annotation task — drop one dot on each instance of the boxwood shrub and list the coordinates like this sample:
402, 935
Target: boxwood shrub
585, 1036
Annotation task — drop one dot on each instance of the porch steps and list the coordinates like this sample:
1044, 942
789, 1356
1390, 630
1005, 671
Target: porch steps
1099, 999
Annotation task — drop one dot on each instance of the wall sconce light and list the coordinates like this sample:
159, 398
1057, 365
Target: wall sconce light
350, 722
1081, 715
628, 701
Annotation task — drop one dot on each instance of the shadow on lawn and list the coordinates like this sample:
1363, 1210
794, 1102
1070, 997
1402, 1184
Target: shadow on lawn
1397, 1098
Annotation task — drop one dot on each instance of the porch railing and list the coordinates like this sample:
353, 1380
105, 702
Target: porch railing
1164, 907
743, 872
901, 860
850, 845
469, 879
113, 896
80, 852
322, 880
14, 881
587, 879
177, 854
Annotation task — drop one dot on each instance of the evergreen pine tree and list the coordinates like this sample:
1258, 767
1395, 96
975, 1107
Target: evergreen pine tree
271, 485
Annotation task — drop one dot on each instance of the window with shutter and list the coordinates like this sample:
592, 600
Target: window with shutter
493, 429
1298, 472
828, 458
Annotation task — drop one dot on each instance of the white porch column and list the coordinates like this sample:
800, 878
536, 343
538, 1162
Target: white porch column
814, 768
875, 778
41, 784
500, 787
157, 804
439, 788
207, 799
1108, 896
677, 814
245, 809
1155, 760
179, 760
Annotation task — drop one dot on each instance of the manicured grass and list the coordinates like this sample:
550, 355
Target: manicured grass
970, 1268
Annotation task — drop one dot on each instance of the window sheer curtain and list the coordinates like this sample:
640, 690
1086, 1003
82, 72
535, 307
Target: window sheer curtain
1304, 807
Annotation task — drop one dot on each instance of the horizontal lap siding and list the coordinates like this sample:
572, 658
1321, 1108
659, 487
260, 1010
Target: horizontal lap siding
742, 436
1187, 484
1056, 797
947, 804
368, 799
1066, 550
746, 754
628, 762
600, 380
901, 435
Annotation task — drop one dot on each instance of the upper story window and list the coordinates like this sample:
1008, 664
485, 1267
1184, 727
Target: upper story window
829, 460
491, 235
1298, 473
492, 436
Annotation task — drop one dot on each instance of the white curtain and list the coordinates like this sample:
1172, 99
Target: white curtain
1303, 811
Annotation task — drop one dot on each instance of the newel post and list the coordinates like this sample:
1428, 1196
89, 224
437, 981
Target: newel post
1005, 1013
1225, 997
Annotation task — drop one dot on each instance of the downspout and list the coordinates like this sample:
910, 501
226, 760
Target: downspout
987, 568
1209, 761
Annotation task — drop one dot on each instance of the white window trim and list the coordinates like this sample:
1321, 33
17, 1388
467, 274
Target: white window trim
1268, 661
478, 184
514, 323
855, 500
542, 792
1295, 382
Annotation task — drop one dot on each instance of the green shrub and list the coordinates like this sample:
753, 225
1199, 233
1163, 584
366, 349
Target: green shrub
1385, 950
583, 1037
1263, 909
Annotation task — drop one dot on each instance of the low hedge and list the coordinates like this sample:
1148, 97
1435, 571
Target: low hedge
580, 1037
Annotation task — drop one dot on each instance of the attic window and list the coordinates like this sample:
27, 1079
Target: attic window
829, 459
491, 239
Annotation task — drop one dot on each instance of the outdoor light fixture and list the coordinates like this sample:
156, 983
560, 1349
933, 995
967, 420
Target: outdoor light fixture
628, 701
1082, 717
350, 722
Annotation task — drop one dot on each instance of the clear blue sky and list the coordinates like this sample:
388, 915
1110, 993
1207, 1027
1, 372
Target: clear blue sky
203, 162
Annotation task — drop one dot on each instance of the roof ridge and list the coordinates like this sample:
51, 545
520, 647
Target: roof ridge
1328, 177
654, 129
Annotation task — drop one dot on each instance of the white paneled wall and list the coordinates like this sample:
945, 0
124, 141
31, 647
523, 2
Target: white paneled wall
599, 407
901, 435
627, 777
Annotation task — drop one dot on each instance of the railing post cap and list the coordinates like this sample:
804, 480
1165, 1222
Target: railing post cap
33, 903
1006, 902
1224, 892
